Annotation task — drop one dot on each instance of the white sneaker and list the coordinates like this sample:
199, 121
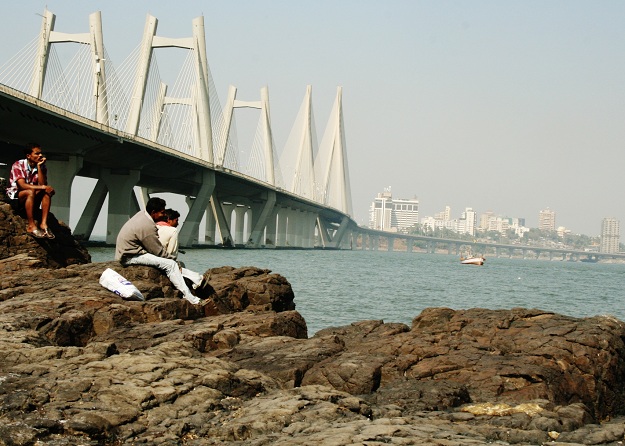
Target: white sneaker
193, 299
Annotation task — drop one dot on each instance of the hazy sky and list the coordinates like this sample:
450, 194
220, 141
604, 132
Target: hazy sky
508, 106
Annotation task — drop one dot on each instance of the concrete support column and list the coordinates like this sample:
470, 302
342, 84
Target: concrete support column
190, 230
300, 227
324, 236
211, 223
120, 187
409, 245
309, 234
223, 214
340, 233
282, 227
291, 228
348, 240
61, 175
260, 215
239, 234
90, 214
271, 227
390, 241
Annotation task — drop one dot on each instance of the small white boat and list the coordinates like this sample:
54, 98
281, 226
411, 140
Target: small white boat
472, 260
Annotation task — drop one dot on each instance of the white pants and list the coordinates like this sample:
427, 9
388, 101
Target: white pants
171, 268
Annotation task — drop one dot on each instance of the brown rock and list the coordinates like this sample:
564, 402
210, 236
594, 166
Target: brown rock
80, 365
61, 251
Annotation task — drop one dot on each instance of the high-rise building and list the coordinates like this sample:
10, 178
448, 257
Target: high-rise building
405, 213
468, 222
388, 214
610, 236
443, 215
380, 211
547, 220
484, 220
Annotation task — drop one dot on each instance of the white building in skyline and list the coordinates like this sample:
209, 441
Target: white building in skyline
467, 224
610, 236
547, 220
394, 215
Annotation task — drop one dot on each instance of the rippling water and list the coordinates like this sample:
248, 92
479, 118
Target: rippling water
334, 288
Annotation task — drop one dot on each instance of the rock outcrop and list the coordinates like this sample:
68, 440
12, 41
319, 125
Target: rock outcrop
18, 250
80, 365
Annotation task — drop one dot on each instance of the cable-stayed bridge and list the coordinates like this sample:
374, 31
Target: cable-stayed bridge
126, 128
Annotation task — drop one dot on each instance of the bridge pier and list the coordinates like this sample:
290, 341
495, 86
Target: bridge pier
298, 230
223, 213
259, 218
282, 228
271, 229
120, 186
211, 224
239, 225
61, 176
189, 232
90, 213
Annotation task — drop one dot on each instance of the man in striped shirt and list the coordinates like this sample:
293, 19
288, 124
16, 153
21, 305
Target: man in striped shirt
28, 185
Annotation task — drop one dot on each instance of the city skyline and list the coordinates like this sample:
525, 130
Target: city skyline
509, 106
383, 220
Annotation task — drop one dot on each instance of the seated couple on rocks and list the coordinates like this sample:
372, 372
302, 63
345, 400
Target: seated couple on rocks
138, 244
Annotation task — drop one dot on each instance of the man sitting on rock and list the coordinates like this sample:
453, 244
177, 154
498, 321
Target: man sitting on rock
138, 244
28, 185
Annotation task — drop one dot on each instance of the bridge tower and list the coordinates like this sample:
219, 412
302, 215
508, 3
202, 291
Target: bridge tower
224, 146
258, 214
332, 175
93, 38
200, 100
299, 153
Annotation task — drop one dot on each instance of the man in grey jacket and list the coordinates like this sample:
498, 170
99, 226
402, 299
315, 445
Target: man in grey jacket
138, 244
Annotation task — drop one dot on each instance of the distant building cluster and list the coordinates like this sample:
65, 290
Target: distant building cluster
400, 215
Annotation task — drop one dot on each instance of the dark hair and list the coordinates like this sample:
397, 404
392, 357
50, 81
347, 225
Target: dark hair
28, 148
171, 214
155, 204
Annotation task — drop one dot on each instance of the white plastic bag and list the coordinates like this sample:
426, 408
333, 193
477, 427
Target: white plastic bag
116, 283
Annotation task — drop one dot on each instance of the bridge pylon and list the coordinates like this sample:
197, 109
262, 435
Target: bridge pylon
94, 38
199, 99
299, 153
331, 168
225, 147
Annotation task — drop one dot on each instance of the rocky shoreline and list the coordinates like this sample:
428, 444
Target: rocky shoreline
81, 366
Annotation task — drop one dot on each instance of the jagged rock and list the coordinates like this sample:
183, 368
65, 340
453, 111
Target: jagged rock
61, 251
80, 365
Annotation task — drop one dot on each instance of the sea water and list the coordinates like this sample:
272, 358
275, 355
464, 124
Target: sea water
334, 288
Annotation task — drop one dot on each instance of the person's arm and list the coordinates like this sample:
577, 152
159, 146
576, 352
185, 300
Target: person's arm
41, 183
153, 245
23, 185
172, 245
42, 176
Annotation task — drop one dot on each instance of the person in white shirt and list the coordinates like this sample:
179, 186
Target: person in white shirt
168, 231
168, 235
